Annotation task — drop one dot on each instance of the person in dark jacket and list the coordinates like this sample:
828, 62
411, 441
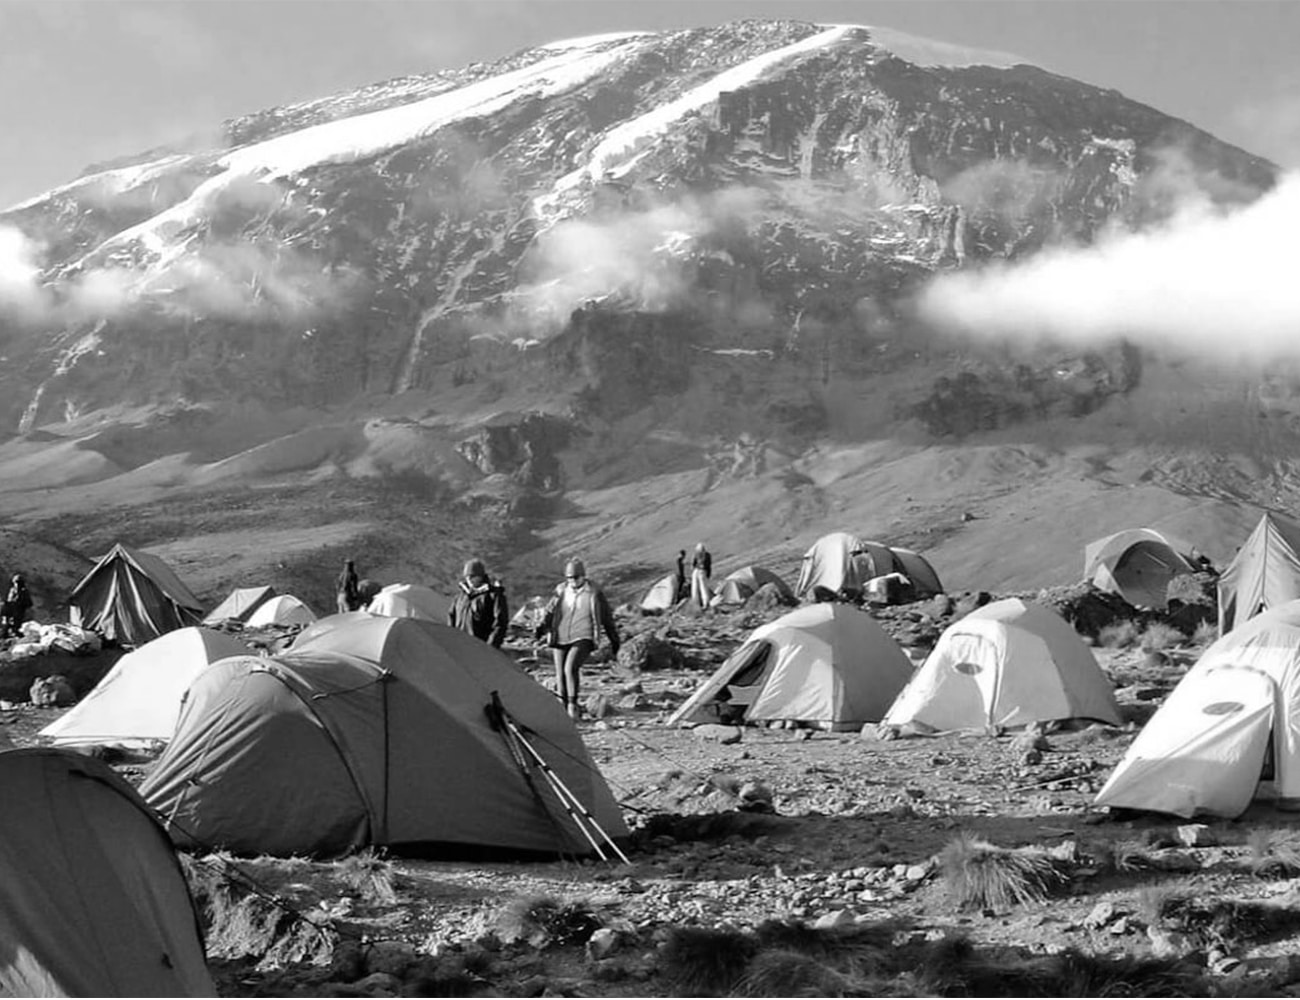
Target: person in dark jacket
17, 603
348, 588
574, 619
701, 570
681, 573
480, 606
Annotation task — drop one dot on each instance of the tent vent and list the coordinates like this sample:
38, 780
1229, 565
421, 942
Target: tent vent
1223, 708
967, 668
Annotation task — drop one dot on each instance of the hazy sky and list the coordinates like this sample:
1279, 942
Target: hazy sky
94, 79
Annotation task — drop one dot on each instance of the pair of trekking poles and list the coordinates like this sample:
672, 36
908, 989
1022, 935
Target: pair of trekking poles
523, 751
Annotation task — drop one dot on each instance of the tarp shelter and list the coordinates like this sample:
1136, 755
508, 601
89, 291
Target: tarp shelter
844, 562
828, 665
663, 596
739, 586
132, 596
1264, 573
1009, 663
239, 604
1137, 564
284, 609
137, 701
94, 901
374, 731
1235, 713
410, 600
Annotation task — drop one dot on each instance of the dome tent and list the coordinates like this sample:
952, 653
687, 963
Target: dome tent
739, 586
373, 731
828, 665
410, 600
95, 903
283, 609
1009, 663
844, 562
1204, 750
239, 604
137, 701
663, 596
1137, 564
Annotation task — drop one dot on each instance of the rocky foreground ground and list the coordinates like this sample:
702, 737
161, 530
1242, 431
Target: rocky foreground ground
786, 862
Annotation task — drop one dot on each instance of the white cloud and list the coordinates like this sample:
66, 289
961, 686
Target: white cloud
1272, 127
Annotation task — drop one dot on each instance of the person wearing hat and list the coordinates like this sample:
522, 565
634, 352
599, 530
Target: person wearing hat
480, 606
348, 588
13, 611
574, 619
701, 571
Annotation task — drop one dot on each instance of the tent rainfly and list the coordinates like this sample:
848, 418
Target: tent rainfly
410, 600
136, 703
239, 604
132, 596
283, 609
663, 596
95, 903
1137, 564
1009, 663
844, 562
374, 731
826, 665
739, 586
1230, 730
1264, 573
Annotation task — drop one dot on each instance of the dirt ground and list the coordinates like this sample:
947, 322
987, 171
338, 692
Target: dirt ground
840, 836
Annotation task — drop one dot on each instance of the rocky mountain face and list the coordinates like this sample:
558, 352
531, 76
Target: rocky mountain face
718, 228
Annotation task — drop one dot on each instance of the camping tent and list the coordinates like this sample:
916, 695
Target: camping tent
373, 731
1205, 749
132, 596
284, 609
239, 604
826, 664
662, 596
1137, 564
841, 561
410, 600
94, 901
739, 586
137, 701
1008, 663
1264, 573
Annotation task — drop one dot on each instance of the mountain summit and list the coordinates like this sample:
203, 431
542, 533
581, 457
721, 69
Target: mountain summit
628, 239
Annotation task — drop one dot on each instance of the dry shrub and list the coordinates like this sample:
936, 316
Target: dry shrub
1159, 636
790, 974
368, 876
243, 920
1274, 853
701, 961
1229, 924
1124, 856
1206, 633
978, 873
543, 920
1119, 635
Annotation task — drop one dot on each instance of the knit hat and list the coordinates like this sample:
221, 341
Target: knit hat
475, 567
574, 567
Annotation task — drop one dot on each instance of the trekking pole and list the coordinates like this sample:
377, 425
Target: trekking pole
564, 792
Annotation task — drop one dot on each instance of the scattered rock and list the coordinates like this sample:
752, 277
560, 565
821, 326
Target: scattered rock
722, 734
1100, 915
48, 692
602, 943
1196, 835
835, 919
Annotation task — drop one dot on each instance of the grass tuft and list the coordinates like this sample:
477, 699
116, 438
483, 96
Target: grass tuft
981, 874
369, 876
701, 961
1119, 635
779, 973
544, 920
1274, 853
1159, 636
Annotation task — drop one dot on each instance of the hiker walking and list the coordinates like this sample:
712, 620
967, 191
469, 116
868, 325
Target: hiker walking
480, 606
574, 619
681, 574
16, 605
348, 588
701, 570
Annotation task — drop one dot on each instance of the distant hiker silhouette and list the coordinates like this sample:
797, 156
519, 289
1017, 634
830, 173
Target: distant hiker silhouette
701, 570
348, 588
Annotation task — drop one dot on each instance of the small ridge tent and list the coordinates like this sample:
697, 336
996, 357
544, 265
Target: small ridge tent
663, 596
739, 586
94, 903
844, 562
284, 609
132, 596
410, 600
1137, 564
137, 701
828, 665
1264, 573
1008, 663
239, 604
374, 731
1233, 718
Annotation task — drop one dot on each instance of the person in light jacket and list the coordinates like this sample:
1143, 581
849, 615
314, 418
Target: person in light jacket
574, 620
701, 570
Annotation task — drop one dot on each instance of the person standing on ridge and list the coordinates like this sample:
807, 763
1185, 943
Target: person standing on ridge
13, 612
574, 619
348, 588
681, 573
701, 570
480, 606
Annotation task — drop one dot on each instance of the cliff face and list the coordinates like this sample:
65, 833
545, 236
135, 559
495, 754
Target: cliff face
593, 221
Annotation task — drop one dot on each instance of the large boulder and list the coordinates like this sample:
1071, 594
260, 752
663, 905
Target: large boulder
649, 652
49, 692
